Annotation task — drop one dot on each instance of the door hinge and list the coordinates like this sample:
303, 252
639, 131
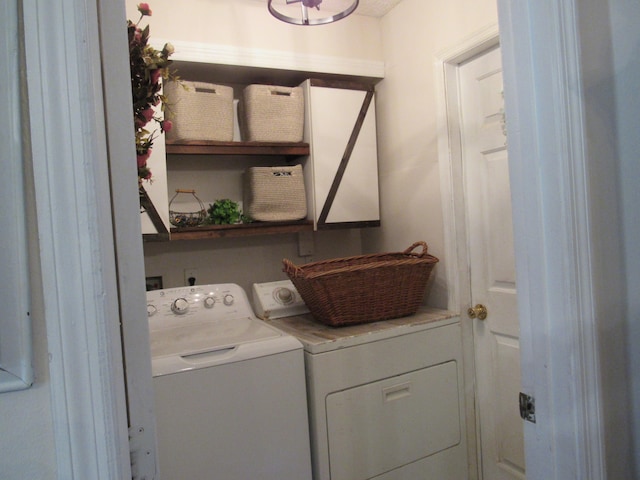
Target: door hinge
527, 407
143, 461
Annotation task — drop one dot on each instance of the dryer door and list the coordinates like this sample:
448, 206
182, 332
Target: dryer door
381, 426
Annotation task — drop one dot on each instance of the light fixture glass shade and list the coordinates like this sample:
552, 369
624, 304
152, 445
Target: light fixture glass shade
311, 12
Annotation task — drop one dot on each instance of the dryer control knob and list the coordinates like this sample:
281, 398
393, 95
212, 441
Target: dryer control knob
209, 302
284, 296
151, 310
180, 306
228, 299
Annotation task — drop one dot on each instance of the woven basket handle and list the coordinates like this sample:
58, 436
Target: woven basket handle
409, 251
290, 268
206, 89
285, 92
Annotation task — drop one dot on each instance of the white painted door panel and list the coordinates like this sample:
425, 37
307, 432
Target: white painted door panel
16, 371
492, 265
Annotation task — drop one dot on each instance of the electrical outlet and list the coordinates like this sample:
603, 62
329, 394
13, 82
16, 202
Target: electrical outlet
190, 273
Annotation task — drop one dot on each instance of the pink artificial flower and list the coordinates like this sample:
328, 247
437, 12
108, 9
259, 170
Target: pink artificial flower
147, 113
166, 125
144, 9
142, 159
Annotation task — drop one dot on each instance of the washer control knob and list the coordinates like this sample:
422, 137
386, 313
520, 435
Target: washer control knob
284, 296
151, 310
228, 299
180, 306
209, 302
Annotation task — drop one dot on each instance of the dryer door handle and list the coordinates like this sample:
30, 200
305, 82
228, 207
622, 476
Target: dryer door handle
396, 392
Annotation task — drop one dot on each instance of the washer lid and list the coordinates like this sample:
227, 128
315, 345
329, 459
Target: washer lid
204, 337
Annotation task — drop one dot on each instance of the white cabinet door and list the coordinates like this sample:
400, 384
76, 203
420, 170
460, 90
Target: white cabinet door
341, 174
156, 188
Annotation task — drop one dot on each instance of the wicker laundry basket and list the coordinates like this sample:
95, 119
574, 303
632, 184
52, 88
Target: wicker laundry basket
269, 113
199, 111
364, 288
275, 194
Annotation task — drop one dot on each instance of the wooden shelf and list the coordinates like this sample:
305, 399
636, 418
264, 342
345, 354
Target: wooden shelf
237, 148
241, 230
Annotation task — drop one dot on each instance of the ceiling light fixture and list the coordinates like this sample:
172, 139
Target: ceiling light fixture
309, 12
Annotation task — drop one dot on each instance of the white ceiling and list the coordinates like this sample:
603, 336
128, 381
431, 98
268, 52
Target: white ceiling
375, 8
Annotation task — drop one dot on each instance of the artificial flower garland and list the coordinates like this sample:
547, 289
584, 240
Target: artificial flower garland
148, 67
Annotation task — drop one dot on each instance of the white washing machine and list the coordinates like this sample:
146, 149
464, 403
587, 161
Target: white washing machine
230, 398
386, 399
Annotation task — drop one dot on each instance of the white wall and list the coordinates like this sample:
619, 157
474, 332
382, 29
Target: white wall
241, 260
248, 24
413, 34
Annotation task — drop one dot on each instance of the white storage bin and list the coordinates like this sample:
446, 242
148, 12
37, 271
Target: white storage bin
201, 111
271, 113
274, 194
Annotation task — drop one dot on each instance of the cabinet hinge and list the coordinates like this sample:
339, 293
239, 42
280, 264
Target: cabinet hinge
527, 407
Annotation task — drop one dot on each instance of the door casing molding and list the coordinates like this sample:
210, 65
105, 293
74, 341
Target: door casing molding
75, 234
454, 213
554, 237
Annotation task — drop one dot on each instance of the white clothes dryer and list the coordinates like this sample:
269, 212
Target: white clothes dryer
230, 398
386, 399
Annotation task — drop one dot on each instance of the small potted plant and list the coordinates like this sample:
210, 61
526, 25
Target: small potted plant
225, 212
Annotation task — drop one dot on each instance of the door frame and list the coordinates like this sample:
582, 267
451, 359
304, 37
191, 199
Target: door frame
68, 147
90, 241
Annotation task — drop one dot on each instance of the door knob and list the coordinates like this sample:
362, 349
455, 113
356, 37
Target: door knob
479, 312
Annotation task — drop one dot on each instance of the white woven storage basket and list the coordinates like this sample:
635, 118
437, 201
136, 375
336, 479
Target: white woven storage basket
272, 114
275, 194
201, 111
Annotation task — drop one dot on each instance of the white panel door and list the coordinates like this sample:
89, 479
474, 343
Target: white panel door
492, 265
